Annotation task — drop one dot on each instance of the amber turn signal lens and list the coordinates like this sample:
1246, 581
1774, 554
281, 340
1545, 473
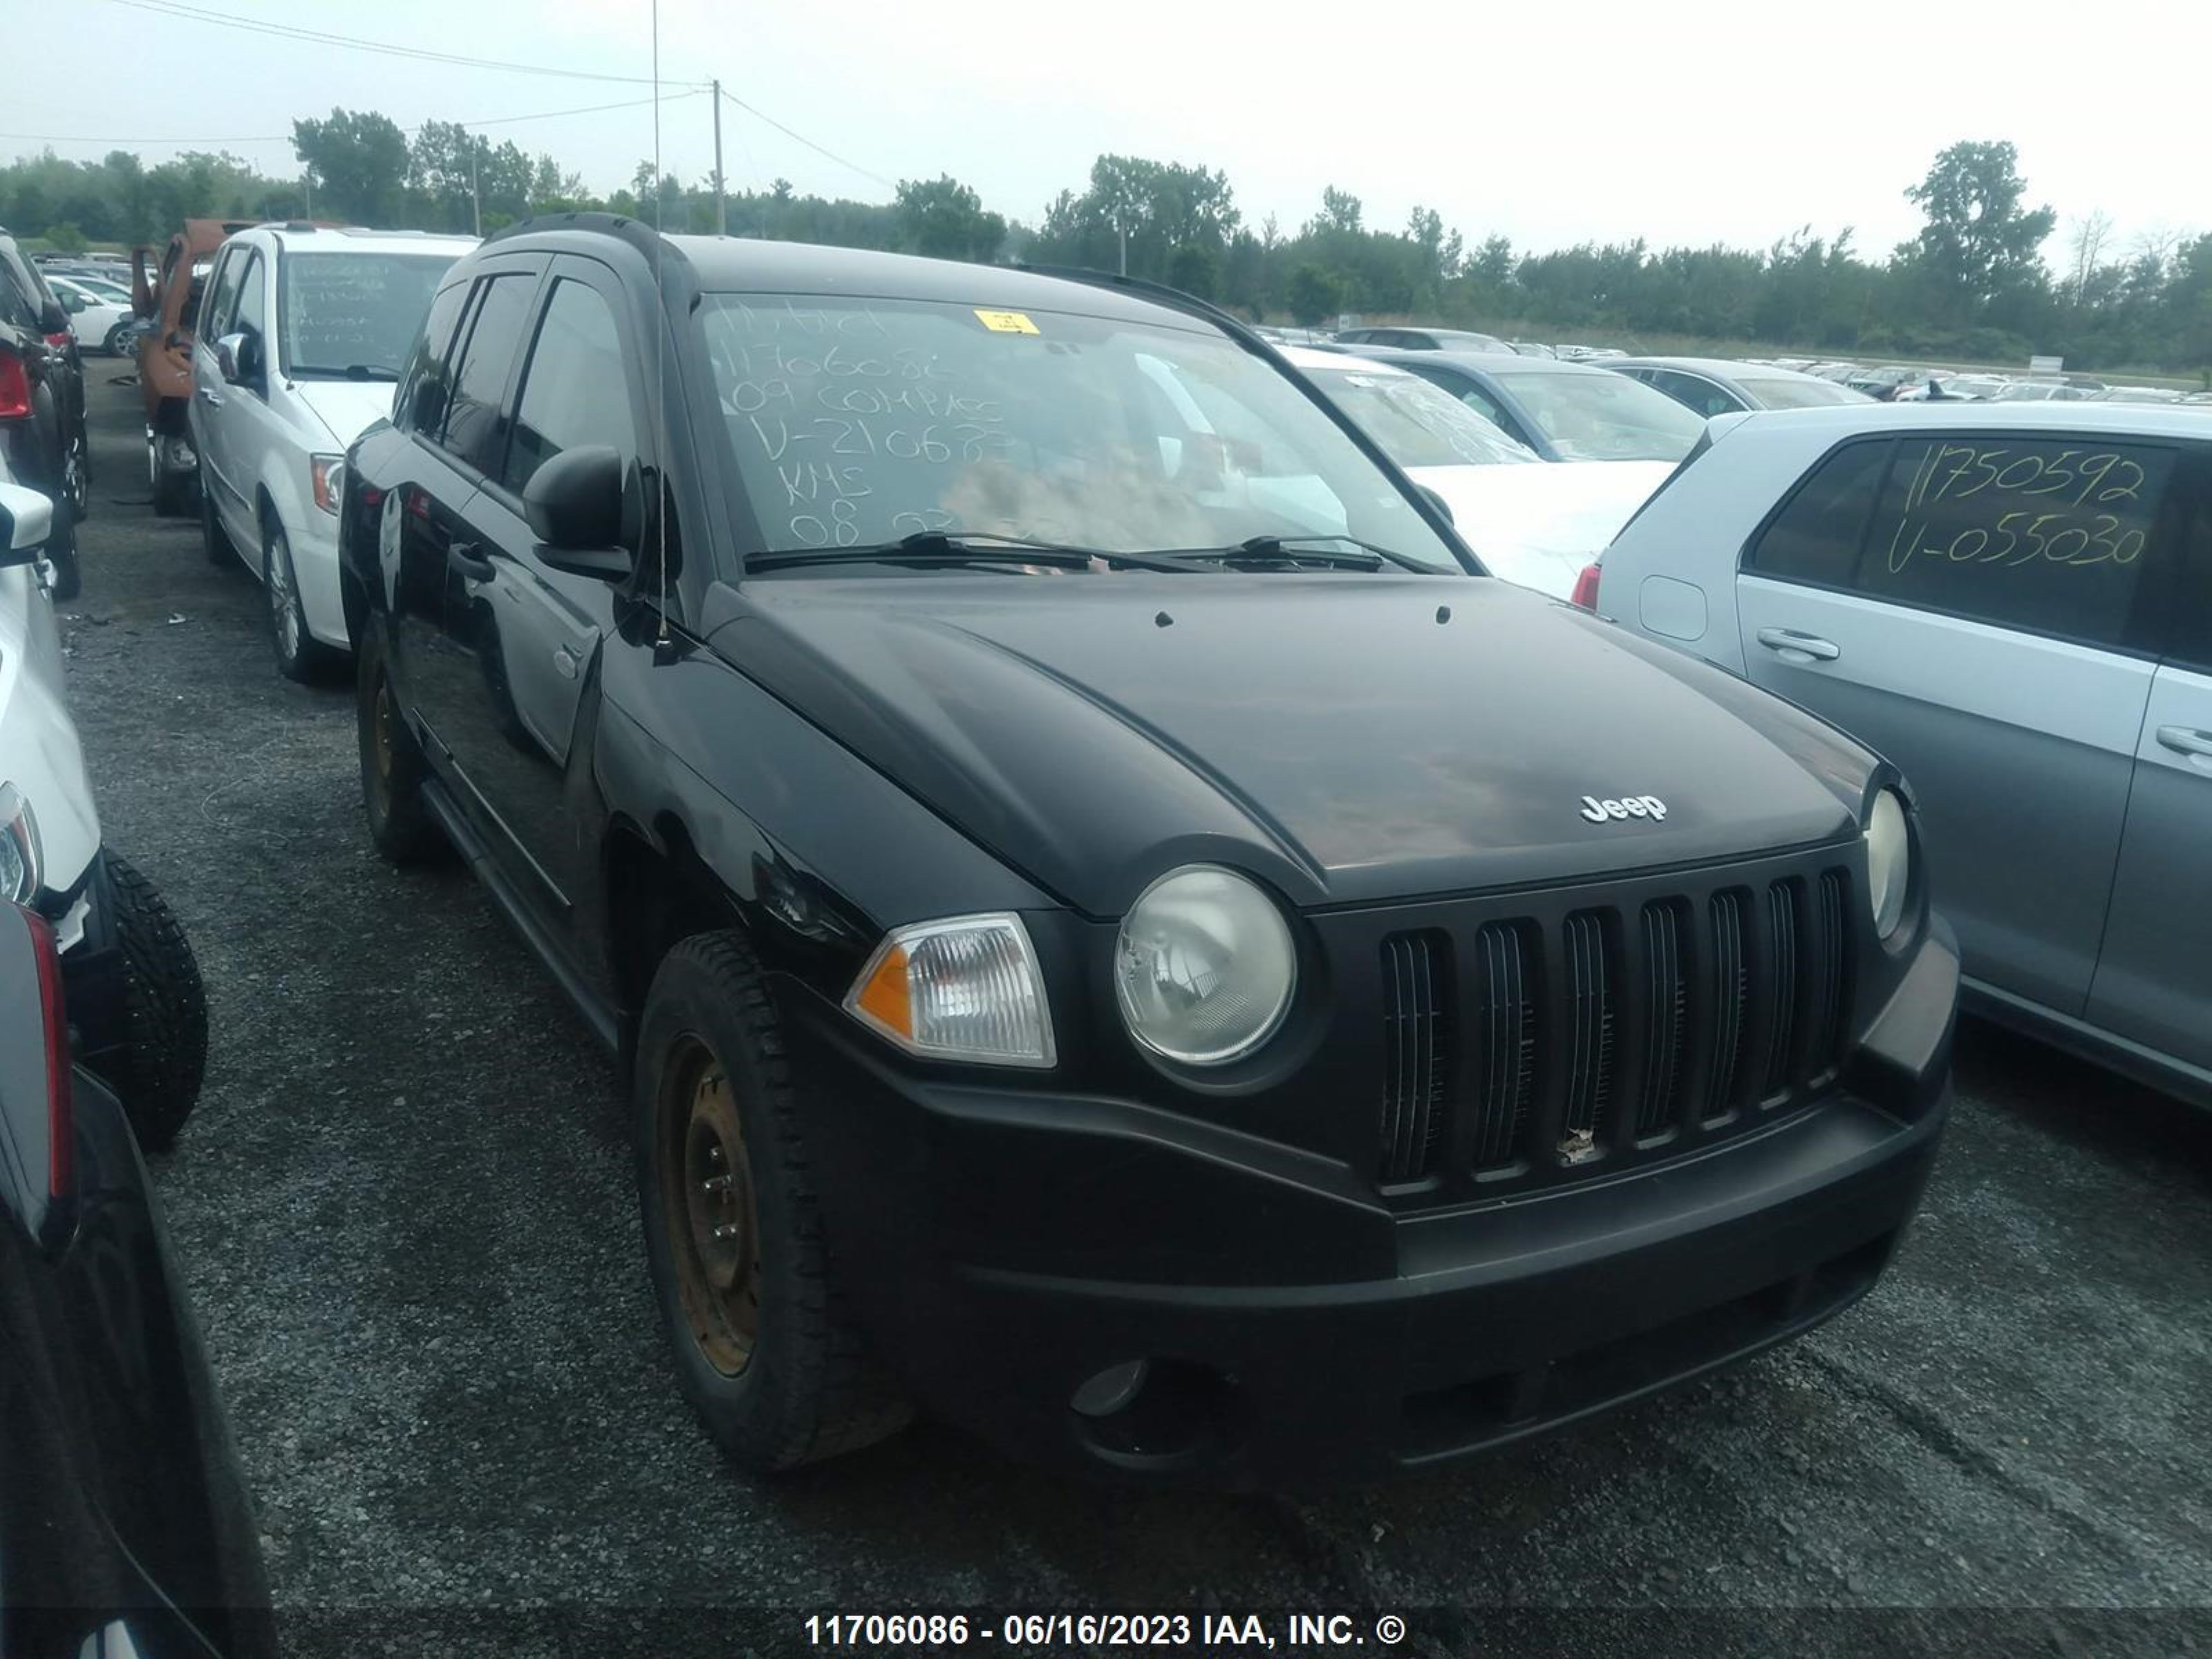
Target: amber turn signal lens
884, 997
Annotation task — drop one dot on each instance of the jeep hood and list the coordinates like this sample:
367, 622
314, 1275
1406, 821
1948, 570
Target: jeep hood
1351, 739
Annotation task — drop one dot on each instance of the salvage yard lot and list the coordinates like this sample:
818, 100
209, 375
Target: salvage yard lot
406, 1213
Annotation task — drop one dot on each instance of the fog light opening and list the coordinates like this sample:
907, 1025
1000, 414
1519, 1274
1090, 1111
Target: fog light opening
1148, 1412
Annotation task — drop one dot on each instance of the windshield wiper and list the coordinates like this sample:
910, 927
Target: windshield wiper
926, 547
1294, 552
350, 372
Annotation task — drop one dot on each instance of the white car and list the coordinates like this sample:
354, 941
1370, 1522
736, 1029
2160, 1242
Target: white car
101, 320
1530, 522
131, 984
299, 342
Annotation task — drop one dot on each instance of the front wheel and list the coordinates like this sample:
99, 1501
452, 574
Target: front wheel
156, 1066
300, 656
393, 770
122, 340
765, 1349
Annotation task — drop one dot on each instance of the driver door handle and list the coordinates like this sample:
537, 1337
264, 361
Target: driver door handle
464, 557
210, 396
2186, 741
1793, 647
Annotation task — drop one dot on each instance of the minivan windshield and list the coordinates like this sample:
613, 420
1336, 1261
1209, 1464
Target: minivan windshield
856, 423
353, 313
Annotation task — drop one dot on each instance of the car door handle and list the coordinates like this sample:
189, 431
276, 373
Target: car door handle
464, 557
2187, 740
1789, 643
210, 396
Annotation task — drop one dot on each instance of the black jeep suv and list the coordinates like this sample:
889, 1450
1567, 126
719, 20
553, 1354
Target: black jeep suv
1117, 932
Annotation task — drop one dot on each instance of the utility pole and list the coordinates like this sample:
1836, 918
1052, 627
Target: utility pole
721, 212
1123, 226
476, 195
308, 177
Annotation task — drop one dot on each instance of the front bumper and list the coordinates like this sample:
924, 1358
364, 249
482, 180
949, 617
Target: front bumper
1008, 1246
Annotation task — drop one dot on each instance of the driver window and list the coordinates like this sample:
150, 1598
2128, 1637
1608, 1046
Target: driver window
253, 302
226, 292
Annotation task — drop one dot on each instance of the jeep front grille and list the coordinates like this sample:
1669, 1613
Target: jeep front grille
1536, 1047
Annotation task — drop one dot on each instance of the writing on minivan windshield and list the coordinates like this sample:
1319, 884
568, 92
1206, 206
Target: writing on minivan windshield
857, 422
343, 313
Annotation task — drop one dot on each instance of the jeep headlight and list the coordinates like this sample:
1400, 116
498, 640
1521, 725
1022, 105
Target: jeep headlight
19, 854
1889, 862
967, 988
1204, 967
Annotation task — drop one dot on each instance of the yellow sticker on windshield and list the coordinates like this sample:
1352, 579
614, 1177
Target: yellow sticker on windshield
1006, 322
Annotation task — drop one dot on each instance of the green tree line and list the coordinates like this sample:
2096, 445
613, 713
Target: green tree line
1972, 284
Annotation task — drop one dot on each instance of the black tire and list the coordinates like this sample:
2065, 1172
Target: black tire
215, 542
61, 553
393, 770
172, 489
801, 1384
121, 340
156, 1070
300, 657
77, 475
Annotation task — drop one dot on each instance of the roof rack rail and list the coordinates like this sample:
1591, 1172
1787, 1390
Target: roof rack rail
1165, 292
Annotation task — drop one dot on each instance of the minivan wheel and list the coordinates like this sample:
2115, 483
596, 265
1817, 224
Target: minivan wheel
165, 1027
300, 656
765, 1350
391, 765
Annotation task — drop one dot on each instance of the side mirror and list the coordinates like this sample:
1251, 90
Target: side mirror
239, 357
72, 302
26, 518
574, 506
1442, 505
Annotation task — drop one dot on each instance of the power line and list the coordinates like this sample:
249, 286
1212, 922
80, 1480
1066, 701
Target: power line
286, 137
321, 37
802, 137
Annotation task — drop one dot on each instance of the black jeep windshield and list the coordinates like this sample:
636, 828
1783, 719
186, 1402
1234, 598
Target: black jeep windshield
855, 423
341, 313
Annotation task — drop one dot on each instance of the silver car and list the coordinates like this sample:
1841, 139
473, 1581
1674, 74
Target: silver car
2013, 603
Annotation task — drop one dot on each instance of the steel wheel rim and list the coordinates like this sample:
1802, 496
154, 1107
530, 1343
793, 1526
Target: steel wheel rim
73, 474
282, 611
708, 1208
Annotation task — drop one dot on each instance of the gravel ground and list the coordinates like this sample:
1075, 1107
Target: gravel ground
406, 1215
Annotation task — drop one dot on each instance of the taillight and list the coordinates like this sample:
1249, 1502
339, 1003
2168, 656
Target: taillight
58, 341
1585, 593
61, 1121
15, 387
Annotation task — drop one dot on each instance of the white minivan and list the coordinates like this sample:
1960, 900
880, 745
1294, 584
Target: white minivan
300, 345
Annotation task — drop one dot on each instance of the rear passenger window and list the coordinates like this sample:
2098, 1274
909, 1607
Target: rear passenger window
1816, 536
573, 391
473, 431
2053, 535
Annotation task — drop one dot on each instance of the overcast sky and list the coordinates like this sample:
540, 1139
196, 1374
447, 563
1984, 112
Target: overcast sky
1677, 120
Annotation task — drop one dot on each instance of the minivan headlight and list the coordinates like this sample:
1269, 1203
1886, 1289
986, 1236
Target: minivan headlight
1889, 862
19, 854
1204, 967
967, 988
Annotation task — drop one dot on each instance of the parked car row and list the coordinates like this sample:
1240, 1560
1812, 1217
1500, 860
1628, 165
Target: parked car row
124, 1525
